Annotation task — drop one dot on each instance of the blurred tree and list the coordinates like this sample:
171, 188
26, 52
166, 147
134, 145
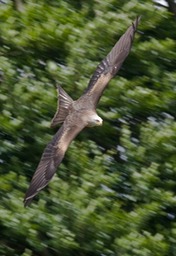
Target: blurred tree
18, 5
114, 194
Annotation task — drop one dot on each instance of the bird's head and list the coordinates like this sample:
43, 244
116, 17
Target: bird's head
94, 120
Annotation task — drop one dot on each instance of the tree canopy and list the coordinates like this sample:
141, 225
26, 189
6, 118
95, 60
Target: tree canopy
114, 194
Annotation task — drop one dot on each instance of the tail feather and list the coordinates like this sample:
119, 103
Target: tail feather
64, 104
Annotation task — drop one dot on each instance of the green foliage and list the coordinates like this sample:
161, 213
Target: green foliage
114, 193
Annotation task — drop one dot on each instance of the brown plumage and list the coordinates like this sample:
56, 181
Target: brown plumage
76, 115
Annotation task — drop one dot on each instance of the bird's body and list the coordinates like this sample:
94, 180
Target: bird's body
76, 115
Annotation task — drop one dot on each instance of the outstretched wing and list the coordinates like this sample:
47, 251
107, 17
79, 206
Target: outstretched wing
111, 64
51, 158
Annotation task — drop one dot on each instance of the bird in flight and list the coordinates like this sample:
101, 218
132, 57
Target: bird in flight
76, 115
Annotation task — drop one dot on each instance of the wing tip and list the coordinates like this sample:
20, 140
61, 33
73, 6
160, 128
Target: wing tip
27, 201
29, 196
136, 22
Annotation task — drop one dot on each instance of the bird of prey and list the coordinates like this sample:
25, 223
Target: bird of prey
76, 115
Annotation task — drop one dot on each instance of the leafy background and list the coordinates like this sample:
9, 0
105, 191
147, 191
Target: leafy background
114, 193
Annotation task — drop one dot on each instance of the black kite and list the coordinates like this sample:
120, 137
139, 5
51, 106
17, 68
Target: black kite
76, 115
